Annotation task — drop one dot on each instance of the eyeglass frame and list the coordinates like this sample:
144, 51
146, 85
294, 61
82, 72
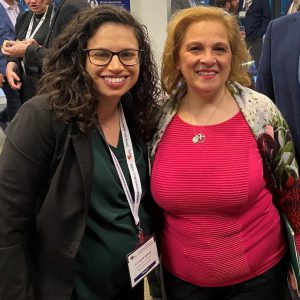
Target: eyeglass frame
140, 51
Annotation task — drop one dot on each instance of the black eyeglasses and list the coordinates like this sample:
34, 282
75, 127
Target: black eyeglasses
102, 57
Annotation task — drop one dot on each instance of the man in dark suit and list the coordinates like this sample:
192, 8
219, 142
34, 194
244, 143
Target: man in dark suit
255, 15
7, 32
279, 70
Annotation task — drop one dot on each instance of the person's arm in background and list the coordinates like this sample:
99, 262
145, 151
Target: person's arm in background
12, 76
264, 81
17, 48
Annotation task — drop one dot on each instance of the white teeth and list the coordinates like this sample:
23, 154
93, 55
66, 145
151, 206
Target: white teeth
114, 79
207, 73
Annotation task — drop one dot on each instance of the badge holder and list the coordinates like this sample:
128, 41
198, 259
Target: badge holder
142, 260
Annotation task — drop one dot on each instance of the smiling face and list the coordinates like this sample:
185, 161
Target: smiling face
113, 80
205, 57
37, 6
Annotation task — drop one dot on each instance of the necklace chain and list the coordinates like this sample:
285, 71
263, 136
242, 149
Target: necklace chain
37, 19
200, 137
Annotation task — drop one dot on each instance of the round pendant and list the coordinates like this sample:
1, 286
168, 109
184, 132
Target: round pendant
199, 138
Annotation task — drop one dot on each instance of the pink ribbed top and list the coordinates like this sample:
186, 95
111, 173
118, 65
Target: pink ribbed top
221, 227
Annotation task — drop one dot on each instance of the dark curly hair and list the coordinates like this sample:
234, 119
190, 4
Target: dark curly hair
70, 88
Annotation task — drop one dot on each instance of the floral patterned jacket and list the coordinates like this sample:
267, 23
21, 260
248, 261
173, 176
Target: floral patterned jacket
274, 143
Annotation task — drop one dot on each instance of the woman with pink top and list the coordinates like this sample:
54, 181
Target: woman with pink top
223, 168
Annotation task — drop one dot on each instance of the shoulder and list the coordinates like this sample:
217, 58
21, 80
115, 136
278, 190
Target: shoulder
287, 19
77, 6
36, 107
23, 15
257, 108
35, 130
23, 18
35, 118
252, 100
67, 11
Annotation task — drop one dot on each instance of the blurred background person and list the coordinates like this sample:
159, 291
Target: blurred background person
67, 221
255, 15
215, 158
181, 4
9, 10
294, 7
279, 70
31, 27
32, 51
230, 6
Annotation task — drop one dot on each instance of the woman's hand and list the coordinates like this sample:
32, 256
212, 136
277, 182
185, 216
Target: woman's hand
12, 77
17, 48
1, 80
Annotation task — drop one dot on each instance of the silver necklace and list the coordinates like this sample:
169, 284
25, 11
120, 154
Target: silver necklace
200, 137
38, 18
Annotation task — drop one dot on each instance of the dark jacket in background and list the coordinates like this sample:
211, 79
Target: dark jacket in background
257, 19
279, 70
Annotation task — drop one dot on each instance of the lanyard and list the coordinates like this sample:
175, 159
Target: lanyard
247, 4
30, 34
134, 204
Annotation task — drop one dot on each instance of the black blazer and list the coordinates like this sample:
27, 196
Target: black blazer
40, 230
44, 200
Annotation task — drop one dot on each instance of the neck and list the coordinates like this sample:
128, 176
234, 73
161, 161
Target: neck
10, 2
108, 113
109, 119
200, 101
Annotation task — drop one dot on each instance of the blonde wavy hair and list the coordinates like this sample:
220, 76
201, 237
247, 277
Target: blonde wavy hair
171, 77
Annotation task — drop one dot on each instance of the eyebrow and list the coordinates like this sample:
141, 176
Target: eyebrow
193, 43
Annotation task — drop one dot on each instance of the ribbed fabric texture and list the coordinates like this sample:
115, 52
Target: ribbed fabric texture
221, 227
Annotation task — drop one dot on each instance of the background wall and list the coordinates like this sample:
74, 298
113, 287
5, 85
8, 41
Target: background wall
153, 14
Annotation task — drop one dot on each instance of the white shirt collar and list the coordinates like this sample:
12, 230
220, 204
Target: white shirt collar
7, 6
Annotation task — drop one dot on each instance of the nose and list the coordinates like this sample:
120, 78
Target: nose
115, 64
208, 58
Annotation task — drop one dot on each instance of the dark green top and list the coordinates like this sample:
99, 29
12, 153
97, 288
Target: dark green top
100, 267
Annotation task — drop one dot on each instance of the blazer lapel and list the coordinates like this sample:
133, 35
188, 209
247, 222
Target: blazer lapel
292, 54
83, 151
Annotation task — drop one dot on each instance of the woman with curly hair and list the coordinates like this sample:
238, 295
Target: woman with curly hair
74, 170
